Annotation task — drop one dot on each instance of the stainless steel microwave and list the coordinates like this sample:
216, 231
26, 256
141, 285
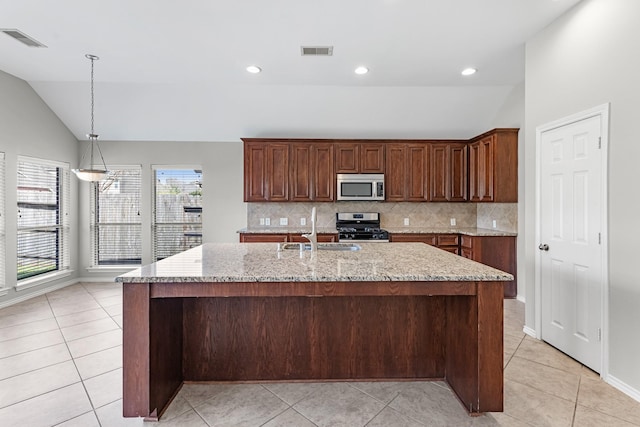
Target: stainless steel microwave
360, 186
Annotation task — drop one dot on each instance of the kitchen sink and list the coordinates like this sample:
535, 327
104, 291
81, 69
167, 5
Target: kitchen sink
321, 246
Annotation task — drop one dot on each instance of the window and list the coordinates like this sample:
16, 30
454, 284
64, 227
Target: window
43, 220
116, 225
177, 218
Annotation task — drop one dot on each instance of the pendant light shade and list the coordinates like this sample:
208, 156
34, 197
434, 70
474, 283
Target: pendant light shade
92, 172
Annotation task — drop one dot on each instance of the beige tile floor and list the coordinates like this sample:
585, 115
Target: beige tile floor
61, 364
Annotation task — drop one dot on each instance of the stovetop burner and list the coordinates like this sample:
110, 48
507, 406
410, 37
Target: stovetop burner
360, 227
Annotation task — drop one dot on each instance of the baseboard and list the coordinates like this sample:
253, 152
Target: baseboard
97, 279
623, 387
529, 331
44, 290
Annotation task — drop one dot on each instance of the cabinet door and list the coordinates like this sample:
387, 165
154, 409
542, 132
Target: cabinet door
255, 172
277, 172
323, 178
262, 238
416, 173
301, 172
475, 173
486, 168
439, 173
347, 157
458, 172
372, 158
429, 239
395, 177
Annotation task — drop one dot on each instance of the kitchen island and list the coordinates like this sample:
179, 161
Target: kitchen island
248, 312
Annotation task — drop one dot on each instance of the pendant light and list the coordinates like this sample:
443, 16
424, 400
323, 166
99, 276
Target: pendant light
92, 172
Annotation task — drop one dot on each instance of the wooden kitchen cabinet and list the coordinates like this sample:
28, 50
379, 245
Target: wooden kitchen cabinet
263, 238
495, 251
447, 242
448, 172
406, 179
284, 237
359, 157
266, 172
311, 172
493, 166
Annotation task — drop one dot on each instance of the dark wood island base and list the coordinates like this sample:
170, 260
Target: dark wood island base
316, 331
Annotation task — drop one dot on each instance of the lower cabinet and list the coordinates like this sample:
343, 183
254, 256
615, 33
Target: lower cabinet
495, 251
282, 237
447, 242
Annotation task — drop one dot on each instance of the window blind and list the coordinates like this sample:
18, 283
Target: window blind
43, 221
116, 225
177, 218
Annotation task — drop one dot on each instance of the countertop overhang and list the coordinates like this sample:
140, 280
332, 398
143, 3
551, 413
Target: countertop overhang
262, 262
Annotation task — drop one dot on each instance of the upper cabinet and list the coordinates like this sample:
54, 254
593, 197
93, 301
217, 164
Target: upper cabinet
406, 179
448, 172
266, 172
312, 177
493, 166
283, 170
359, 157
483, 169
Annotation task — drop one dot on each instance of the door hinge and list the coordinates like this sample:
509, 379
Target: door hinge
599, 142
599, 238
599, 334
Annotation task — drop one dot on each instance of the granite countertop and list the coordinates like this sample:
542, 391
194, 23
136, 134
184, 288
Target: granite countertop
261, 262
469, 231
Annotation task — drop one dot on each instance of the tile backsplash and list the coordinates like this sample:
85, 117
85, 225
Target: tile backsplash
432, 215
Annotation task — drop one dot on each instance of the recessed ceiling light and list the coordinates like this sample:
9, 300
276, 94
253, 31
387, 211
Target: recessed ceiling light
253, 69
468, 71
361, 70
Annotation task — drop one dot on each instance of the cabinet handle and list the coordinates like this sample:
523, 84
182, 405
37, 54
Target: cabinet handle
543, 247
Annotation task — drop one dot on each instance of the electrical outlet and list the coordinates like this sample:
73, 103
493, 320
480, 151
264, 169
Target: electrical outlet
267, 221
284, 221
453, 222
261, 221
303, 221
406, 221
495, 223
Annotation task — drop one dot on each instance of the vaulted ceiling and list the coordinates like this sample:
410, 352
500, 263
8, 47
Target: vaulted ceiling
175, 70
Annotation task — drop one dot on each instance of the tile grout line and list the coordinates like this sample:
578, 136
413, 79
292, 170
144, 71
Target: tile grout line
84, 387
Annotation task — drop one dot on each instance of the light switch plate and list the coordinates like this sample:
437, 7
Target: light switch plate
284, 221
406, 221
303, 221
453, 222
495, 223
267, 221
261, 221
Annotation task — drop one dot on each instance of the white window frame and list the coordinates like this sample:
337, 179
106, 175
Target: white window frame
154, 223
3, 253
64, 266
94, 225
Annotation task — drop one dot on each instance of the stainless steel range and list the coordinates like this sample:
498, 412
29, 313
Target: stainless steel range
360, 227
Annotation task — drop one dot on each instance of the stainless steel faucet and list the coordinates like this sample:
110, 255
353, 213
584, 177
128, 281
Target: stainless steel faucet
313, 237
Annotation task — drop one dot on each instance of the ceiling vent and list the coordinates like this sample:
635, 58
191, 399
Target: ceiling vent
22, 37
317, 50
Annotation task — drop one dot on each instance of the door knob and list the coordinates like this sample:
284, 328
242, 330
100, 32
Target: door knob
543, 247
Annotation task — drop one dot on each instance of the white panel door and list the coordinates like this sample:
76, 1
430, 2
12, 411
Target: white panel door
570, 226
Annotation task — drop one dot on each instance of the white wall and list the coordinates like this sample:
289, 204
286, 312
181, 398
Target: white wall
29, 128
224, 211
587, 58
